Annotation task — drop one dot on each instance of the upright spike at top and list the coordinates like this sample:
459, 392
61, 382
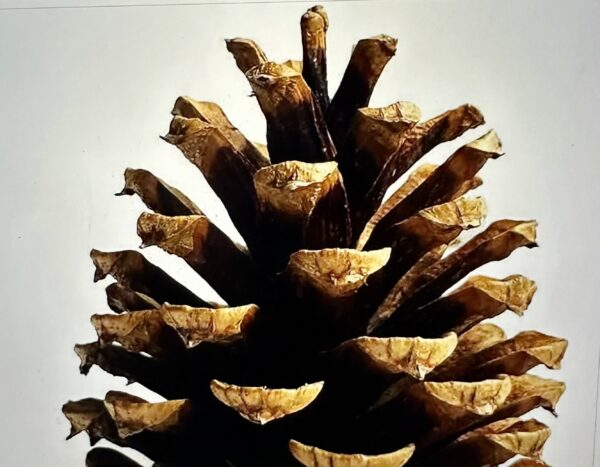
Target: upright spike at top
369, 58
314, 24
295, 127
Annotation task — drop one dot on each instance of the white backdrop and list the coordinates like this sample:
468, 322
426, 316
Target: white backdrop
85, 93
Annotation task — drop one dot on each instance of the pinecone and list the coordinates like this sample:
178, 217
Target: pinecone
339, 344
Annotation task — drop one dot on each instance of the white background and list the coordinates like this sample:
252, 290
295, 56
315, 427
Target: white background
85, 93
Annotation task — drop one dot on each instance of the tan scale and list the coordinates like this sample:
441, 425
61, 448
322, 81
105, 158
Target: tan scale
196, 325
138, 331
514, 356
261, 405
417, 142
478, 338
449, 400
152, 190
414, 356
442, 223
311, 456
246, 52
495, 444
497, 242
213, 114
336, 272
294, 188
82, 414
136, 415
